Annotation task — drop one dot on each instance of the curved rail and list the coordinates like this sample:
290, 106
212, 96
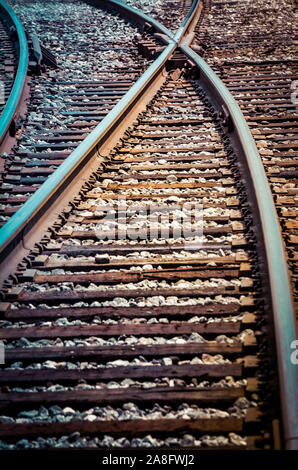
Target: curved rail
137, 15
282, 306
13, 231
194, 11
19, 82
165, 33
14, 228
283, 310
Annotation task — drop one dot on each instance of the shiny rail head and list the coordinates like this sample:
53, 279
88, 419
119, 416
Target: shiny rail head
283, 309
10, 109
279, 281
138, 14
18, 222
187, 20
166, 34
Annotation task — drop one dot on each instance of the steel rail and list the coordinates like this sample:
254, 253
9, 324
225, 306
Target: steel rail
15, 228
283, 312
196, 4
137, 15
283, 309
11, 232
13, 101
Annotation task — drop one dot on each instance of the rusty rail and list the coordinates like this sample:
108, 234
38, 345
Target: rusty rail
9, 112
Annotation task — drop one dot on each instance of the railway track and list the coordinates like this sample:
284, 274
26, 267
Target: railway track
64, 101
170, 13
148, 315
260, 70
8, 63
14, 66
155, 166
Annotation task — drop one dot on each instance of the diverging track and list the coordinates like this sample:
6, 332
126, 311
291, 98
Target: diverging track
145, 316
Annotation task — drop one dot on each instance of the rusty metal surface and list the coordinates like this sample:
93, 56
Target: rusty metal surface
238, 256
13, 101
